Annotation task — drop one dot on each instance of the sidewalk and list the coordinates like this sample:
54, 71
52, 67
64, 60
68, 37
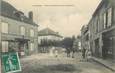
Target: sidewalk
108, 64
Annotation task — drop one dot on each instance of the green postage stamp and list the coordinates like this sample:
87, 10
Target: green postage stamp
11, 62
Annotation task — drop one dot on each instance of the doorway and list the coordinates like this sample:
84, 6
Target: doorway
97, 54
107, 49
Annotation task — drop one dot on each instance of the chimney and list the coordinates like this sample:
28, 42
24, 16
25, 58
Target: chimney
30, 15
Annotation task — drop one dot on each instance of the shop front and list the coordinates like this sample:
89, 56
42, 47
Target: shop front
108, 50
23, 47
15, 44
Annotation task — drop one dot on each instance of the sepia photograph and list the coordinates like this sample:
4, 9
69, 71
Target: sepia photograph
57, 36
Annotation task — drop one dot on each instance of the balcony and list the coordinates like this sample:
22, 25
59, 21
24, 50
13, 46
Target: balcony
12, 37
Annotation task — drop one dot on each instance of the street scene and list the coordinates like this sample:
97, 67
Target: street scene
57, 36
45, 63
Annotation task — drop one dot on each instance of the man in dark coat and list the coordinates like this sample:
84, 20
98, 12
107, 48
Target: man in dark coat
83, 53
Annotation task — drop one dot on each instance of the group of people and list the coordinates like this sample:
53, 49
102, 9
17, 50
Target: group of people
70, 52
86, 54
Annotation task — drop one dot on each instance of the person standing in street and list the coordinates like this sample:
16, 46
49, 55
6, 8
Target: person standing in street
83, 53
56, 53
88, 55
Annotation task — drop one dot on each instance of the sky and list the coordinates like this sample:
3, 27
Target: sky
63, 16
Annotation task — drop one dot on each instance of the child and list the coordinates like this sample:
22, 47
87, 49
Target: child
56, 53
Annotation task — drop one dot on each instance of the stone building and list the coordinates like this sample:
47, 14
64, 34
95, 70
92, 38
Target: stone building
85, 37
48, 35
102, 30
17, 31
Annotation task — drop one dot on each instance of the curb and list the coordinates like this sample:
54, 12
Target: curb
110, 68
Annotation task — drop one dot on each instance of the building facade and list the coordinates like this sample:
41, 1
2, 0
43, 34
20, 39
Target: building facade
85, 37
48, 38
48, 34
102, 30
77, 43
18, 32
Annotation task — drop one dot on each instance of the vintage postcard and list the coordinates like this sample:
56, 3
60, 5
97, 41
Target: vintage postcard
57, 36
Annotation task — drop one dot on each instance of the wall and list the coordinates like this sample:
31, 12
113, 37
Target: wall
49, 37
14, 30
93, 26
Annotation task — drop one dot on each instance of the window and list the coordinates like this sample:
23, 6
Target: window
95, 25
109, 17
98, 22
104, 20
22, 30
87, 38
31, 32
4, 46
79, 43
31, 46
4, 27
22, 17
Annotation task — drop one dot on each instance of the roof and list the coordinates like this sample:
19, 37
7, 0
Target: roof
48, 31
99, 6
85, 29
7, 10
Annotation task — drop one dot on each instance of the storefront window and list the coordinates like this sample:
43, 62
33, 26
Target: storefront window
4, 46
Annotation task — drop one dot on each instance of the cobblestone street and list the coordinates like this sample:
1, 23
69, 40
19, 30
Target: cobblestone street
43, 63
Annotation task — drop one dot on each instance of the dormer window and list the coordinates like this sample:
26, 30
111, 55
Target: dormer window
19, 14
22, 17
14, 12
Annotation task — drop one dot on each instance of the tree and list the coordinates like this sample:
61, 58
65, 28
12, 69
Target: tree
67, 43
